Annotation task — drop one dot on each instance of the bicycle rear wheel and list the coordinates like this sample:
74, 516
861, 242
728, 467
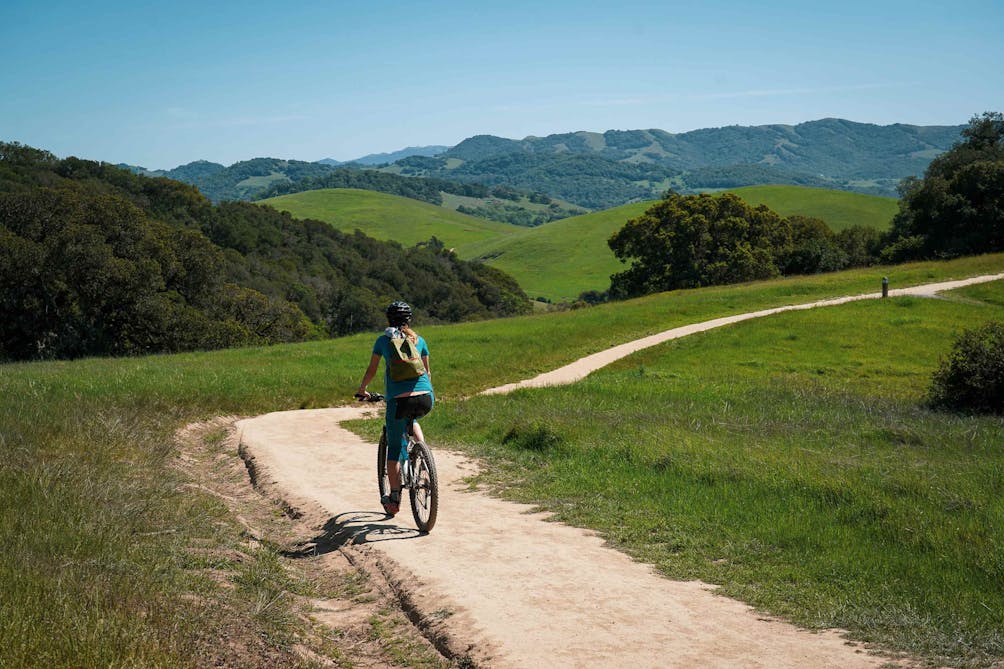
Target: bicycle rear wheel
424, 489
383, 482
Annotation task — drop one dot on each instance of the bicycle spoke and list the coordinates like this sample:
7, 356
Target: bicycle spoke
424, 486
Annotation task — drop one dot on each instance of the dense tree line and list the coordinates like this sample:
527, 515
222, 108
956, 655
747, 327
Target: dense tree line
417, 188
737, 176
958, 207
95, 260
586, 180
260, 178
244, 179
690, 241
494, 210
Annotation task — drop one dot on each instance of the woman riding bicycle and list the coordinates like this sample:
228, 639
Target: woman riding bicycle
408, 392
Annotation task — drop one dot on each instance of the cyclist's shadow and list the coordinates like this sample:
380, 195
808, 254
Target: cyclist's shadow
352, 528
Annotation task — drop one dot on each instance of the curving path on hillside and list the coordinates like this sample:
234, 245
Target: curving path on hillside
523, 592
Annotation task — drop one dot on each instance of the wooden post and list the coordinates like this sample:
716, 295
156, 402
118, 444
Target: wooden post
885, 286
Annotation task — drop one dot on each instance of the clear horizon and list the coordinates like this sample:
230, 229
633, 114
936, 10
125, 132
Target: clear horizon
161, 86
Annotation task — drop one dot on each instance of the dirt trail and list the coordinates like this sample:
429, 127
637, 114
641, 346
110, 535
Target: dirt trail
523, 592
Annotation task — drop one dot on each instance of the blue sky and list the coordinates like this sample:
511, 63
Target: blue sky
160, 84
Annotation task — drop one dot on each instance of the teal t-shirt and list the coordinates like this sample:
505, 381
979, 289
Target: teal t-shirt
383, 347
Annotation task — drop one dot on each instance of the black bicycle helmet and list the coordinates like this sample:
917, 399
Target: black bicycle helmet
398, 313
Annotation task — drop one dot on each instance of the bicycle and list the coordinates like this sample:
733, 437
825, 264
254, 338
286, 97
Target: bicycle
418, 473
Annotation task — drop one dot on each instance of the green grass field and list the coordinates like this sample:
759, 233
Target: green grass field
384, 216
840, 209
790, 460
105, 560
561, 259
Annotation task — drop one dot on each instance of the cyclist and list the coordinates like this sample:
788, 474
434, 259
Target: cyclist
408, 398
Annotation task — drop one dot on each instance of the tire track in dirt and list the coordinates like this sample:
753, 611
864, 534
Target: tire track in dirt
521, 591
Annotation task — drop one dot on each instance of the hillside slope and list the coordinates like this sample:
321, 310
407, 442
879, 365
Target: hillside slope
840, 209
562, 259
389, 217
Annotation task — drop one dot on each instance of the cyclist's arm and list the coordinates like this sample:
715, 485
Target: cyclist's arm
370, 373
425, 361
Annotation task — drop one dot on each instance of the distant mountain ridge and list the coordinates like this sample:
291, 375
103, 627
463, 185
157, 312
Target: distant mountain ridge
601, 170
387, 158
832, 147
829, 153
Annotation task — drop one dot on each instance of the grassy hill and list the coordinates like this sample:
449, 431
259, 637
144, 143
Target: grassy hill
840, 209
557, 260
386, 216
560, 260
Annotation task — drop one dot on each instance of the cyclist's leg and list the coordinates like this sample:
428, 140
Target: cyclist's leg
395, 450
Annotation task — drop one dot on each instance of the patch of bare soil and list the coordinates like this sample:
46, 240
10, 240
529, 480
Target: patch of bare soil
496, 585
354, 613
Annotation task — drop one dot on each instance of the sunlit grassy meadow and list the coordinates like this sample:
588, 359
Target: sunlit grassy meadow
790, 460
99, 524
386, 216
840, 209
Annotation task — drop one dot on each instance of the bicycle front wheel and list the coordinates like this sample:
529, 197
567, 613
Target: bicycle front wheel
383, 482
424, 489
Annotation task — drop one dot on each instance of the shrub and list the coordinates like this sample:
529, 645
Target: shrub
971, 378
533, 436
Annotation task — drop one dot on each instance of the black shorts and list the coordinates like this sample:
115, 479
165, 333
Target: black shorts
412, 406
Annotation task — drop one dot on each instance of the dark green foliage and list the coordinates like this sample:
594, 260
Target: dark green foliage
736, 176
88, 274
587, 180
241, 181
417, 188
95, 260
971, 378
533, 436
689, 241
383, 182
958, 207
860, 245
594, 296
417, 165
814, 248
514, 214
481, 147
506, 193
267, 177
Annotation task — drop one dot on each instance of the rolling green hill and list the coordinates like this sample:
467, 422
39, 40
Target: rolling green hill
560, 260
840, 209
386, 216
